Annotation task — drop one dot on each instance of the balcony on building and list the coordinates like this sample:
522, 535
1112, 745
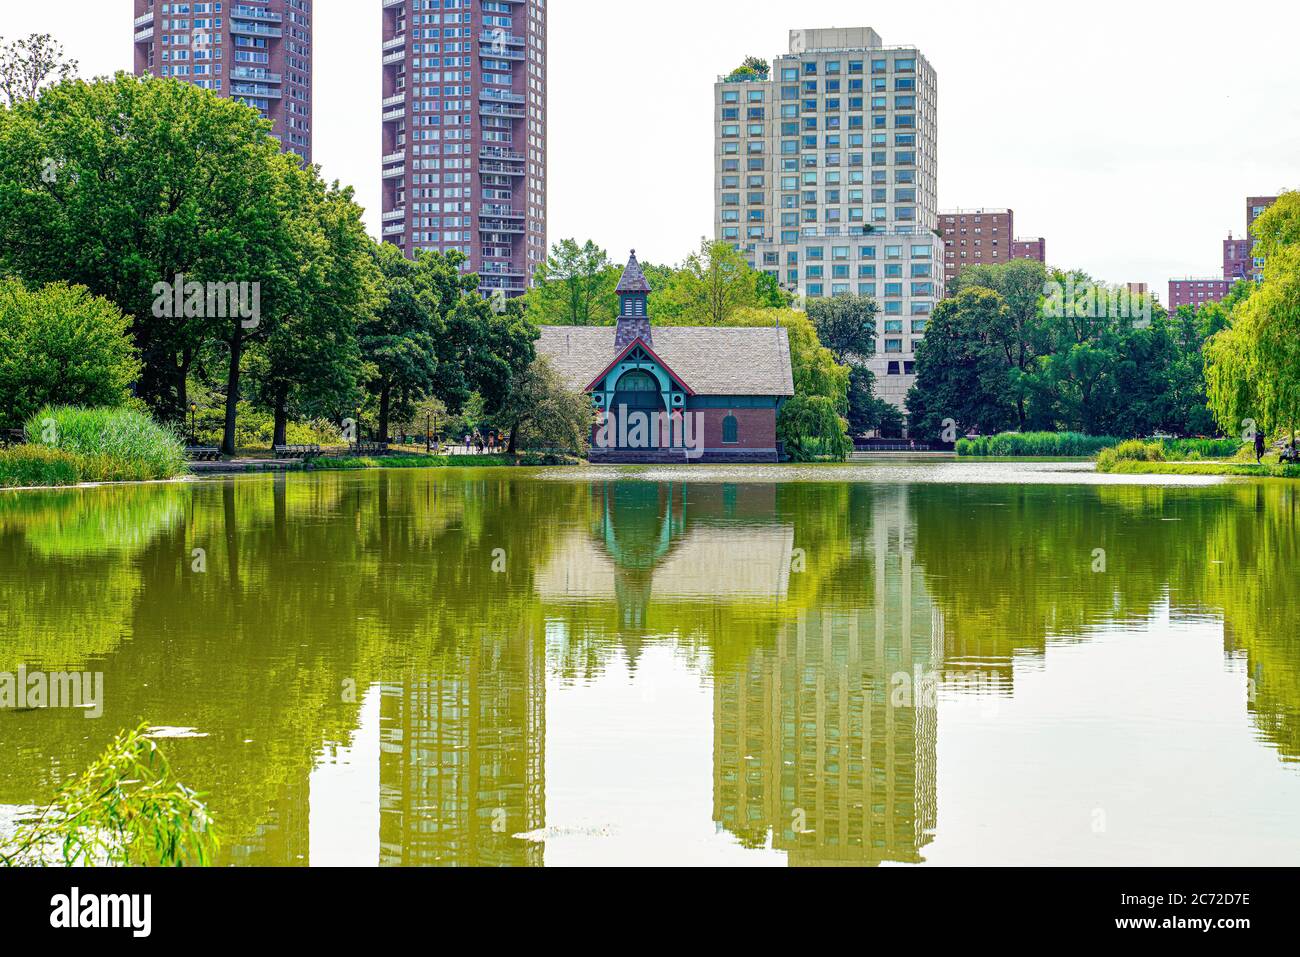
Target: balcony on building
142, 36
243, 29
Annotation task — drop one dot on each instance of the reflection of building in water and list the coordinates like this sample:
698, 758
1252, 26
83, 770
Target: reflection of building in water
827, 741
654, 547
461, 765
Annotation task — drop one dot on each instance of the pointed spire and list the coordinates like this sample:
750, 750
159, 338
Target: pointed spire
633, 278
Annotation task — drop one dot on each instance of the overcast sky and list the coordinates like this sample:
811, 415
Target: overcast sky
1127, 132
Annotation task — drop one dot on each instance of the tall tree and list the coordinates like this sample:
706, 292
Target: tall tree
1022, 284
961, 370
153, 180
310, 363
29, 64
707, 288
574, 287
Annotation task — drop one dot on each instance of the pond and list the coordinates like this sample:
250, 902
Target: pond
893, 664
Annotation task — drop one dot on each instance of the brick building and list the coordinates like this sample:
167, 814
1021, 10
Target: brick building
983, 237
464, 134
255, 51
674, 393
1197, 292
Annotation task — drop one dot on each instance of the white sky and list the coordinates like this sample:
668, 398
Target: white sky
1128, 132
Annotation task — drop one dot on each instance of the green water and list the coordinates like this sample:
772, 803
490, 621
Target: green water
894, 664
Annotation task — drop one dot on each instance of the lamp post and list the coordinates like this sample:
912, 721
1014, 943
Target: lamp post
194, 432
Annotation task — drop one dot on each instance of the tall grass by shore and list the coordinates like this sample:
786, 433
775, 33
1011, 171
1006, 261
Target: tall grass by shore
68, 445
1035, 445
1078, 445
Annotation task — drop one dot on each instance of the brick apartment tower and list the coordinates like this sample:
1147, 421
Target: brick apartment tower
983, 237
255, 51
464, 133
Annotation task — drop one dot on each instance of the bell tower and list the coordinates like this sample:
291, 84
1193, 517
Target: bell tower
633, 307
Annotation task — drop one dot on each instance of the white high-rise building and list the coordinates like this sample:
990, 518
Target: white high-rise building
826, 177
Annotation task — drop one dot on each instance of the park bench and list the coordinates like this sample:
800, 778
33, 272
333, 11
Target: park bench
369, 448
304, 452
202, 453
10, 437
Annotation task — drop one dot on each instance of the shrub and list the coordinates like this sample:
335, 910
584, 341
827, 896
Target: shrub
27, 466
1133, 450
112, 445
61, 345
1035, 444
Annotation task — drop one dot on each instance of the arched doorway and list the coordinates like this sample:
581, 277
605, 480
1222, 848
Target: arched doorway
639, 392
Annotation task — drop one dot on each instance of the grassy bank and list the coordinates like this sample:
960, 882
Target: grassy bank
68, 446
1266, 470
1077, 445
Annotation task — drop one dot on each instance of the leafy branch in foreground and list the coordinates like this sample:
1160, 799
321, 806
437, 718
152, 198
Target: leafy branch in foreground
127, 810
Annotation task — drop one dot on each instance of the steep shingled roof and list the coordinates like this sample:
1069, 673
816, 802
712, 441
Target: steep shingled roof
633, 279
713, 360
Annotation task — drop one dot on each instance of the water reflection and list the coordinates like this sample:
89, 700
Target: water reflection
827, 622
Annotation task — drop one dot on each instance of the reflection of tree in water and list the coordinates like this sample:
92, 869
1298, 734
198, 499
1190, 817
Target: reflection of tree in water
394, 580
1013, 568
311, 583
53, 620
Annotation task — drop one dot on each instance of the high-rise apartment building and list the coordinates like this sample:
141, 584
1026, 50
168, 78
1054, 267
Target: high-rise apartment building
256, 51
826, 178
464, 140
983, 237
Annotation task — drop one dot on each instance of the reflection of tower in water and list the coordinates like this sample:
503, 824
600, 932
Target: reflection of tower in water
827, 741
461, 764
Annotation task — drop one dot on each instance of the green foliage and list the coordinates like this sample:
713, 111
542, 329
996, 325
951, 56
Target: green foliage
962, 372
1201, 448
29, 63
1253, 366
755, 68
708, 288
574, 287
541, 413
60, 345
1133, 450
126, 810
1082, 359
1034, 445
31, 466
810, 427
111, 444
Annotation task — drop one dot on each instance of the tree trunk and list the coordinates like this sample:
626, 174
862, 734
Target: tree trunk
232, 392
514, 435
281, 418
385, 399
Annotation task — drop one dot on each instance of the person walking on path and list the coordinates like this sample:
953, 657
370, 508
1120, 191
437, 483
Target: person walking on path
1259, 447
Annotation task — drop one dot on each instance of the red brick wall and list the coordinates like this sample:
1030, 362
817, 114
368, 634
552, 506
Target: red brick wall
757, 428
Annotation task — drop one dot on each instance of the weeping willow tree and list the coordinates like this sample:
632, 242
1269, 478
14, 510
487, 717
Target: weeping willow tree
1253, 367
